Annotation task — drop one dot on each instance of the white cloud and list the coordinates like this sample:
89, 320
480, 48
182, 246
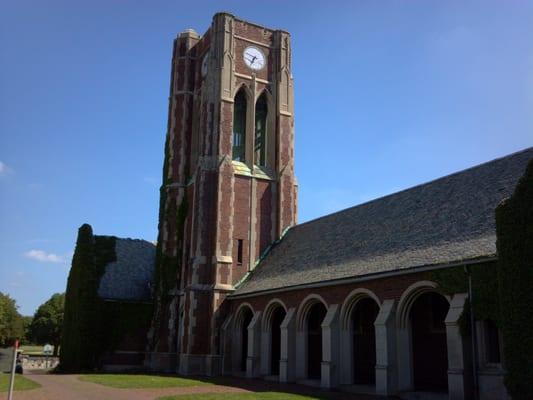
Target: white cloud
43, 256
151, 180
4, 169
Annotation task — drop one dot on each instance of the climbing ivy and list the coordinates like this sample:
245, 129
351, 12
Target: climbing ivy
484, 290
118, 319
82, 336
514, 227
167, 267
91, 325
502, 290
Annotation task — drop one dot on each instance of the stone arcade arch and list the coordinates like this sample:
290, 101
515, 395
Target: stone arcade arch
240, 348
358, 337
273, 317
315, 316
275, 334
428, 336
421, 316
309, 350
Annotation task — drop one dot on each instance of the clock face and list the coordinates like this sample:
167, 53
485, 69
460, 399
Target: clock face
254, 58
205, 61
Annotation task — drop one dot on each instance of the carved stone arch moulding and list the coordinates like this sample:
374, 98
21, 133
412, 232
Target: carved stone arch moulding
239, 313
305, 306
410, 295
268, 93
269, 311
247, 91
351, 301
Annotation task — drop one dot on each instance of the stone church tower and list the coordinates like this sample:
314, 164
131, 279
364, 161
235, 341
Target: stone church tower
228, 190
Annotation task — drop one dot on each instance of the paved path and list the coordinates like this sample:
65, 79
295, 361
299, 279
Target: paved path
69, 387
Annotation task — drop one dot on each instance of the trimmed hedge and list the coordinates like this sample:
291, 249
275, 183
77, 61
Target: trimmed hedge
514, 228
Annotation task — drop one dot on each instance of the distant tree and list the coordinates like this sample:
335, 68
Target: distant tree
47, 322
26, 326
11, 325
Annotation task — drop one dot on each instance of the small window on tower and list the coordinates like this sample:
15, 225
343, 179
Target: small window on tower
239, 126
239, 251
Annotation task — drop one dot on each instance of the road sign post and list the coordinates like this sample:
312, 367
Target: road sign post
13, 368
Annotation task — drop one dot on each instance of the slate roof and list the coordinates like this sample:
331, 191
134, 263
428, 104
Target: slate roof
444, 221
129, 278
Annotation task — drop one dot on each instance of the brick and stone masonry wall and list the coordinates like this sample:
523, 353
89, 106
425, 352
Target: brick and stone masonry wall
383, 288
223, 206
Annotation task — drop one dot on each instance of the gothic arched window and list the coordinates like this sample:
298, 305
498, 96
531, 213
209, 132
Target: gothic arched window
239, 126
261, 112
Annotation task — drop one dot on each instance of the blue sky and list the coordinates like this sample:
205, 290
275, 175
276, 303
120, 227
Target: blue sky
388, 94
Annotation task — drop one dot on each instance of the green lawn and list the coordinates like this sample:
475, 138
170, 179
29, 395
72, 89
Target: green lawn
21, 383
134, 381
240, 396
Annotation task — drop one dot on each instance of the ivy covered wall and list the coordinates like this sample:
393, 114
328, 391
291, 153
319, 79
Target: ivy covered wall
514, 227
92, 326
484, 287
503, 289
172, 218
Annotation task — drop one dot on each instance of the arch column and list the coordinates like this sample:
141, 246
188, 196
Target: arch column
265, 349
330, 348
226, 340
269, 322
346, 364
404, 359
301, 345
236, 330
254, 346
301, 354
458, 379
287, 362
346, 356
386, 372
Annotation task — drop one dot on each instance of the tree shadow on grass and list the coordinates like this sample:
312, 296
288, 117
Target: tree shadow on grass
253, 385
260, 386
